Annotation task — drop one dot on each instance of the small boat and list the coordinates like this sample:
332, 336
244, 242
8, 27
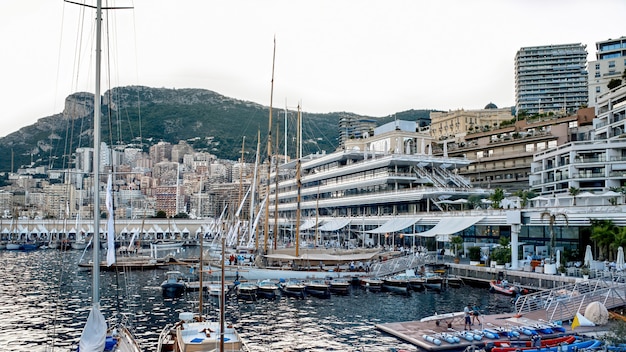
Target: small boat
396, 284
13, 246
174, 284
511, 345
293, 288
432, 281
505, 288
317, 288
191, 335
454, 281
562, 346
267, 289
247, 290
371, 284
340, 286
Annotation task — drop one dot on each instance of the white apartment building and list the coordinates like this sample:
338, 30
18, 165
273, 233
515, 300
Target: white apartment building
609, 64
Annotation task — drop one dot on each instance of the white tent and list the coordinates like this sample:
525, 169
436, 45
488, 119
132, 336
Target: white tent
619, 262
449, 226
334, 224
394, 225
588, 257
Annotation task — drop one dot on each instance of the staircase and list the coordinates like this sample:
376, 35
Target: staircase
564, 302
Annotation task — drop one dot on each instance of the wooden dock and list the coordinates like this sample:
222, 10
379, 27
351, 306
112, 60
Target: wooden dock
415, 332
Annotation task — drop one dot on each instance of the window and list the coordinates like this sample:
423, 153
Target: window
541, 145
552, 144
597, 89
530, 147
597, 66
573, 124
597, 74
611, 63
480, 154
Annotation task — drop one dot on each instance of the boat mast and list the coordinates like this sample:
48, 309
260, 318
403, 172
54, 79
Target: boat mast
201, 291
298, 185
252, 228
276, 193
96, 160
269, 155
241, 166
222, 301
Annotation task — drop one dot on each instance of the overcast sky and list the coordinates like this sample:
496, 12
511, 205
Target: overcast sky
373, 58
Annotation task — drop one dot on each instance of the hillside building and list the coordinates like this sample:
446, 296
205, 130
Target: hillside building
610, 64
456, 124
551, 78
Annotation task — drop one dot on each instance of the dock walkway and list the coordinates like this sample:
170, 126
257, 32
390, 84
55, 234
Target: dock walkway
559, 305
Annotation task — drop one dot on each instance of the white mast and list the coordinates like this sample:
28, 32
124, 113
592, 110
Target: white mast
96, 160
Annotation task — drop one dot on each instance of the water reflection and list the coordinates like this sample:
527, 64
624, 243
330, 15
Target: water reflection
46, 299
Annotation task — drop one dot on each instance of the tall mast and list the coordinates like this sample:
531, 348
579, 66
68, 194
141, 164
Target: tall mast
298, 186
95, 296
276, 195
252, 200
243, 143
269, 155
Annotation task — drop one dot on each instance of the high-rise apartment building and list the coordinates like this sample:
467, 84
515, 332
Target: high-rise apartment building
551, 78
610, 64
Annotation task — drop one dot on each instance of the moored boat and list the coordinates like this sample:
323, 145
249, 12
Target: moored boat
268, 289
371, 283
293, 288
317, 288
174, 284
247, 290
505, 288
396, 284
193, 334
340, 286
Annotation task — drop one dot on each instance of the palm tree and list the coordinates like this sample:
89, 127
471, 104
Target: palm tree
552, 218
603, 233
496, 197
573, 191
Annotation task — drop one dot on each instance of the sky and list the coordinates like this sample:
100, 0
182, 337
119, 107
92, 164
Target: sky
368, 57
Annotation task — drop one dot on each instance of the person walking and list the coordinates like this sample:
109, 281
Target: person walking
468, 316
475, 315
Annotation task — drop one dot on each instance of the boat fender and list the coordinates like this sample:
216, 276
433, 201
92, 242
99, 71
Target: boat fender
477, 336
432, 339
468, 336
449, 338
489, 334
513, 333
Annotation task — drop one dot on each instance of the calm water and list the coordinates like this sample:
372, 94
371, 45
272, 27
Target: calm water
45, 300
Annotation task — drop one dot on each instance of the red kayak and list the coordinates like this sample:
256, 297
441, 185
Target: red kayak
511, 346
505, 288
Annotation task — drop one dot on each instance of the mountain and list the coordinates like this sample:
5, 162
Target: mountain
142, 116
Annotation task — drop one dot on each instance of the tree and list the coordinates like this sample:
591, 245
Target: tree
573, 191
552, 218
525, 195
160, 214
614, 83
457, 242
496, 197
603, 234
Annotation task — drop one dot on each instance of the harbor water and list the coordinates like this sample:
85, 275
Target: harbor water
46, 299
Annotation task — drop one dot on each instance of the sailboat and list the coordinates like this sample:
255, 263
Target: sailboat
96, 336
194, 333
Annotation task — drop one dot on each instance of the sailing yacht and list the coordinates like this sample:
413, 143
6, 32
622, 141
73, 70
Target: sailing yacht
96, 335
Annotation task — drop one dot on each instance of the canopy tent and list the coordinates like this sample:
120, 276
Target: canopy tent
308, 224
619, 262
334, 224
394, 225
448, 226
323, 256
588, 257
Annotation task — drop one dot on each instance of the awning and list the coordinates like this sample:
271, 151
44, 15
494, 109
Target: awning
449, 226
308, 224
394, 225
334, 224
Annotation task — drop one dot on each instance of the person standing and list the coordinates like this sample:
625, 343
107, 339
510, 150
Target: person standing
468, 316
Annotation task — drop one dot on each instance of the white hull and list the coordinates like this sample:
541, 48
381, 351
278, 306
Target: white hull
254, 273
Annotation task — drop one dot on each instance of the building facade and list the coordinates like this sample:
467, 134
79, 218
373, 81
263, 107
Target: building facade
551, 78
610, 64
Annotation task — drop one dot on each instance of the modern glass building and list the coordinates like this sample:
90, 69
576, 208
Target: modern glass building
551, 78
